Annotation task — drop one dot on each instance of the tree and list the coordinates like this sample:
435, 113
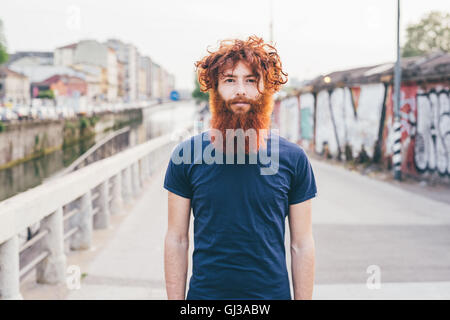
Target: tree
3, 53
46, 94
198, 95
432, 32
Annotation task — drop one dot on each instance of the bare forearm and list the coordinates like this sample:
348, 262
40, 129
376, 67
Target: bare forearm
175, 267
303, 261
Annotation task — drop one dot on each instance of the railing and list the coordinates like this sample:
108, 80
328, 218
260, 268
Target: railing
68, 208
91, 156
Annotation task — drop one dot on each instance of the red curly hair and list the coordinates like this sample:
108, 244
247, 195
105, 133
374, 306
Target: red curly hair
262, 59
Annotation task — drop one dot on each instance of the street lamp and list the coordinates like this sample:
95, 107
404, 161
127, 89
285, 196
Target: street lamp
271, 22
397, 147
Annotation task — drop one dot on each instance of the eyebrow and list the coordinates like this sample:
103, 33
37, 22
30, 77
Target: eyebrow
233, 76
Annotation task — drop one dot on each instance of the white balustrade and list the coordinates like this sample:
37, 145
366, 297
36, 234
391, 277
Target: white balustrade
126, 171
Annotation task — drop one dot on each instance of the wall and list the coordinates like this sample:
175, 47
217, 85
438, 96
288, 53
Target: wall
352, 122
25, 140
425, 119
289, 116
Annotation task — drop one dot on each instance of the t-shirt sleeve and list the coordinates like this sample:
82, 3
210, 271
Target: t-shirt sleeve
303, 184
176, 179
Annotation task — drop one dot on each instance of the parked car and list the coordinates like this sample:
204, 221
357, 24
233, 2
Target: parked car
21, 111
42, 112
6, 114
61, 111
33, 113
71, 113
52, 114
65, 112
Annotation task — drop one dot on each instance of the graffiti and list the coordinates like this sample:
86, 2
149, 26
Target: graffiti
355, 91
275, 118
363, 118
349, 116
408, 111
324, 126
289, 119
425, 126
306, 116
408, 116
432, 140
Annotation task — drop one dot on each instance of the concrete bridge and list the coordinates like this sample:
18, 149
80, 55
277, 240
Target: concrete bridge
69, 209
103, 226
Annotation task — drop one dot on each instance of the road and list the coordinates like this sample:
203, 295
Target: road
357, 222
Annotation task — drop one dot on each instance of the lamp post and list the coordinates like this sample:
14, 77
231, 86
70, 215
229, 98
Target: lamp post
397, 147
271, 22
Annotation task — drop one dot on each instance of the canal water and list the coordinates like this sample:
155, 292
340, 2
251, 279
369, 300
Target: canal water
156, 121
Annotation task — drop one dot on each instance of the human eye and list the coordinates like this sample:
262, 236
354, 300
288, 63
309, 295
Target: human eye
251, 80
229, 80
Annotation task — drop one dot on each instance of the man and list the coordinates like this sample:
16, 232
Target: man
239, 211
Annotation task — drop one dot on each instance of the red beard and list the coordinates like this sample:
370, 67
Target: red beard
258, 117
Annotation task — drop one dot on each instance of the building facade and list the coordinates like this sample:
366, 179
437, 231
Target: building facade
14, 87
127, 54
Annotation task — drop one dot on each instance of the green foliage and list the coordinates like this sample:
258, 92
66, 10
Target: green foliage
432, 32
3, 51
3, 54
84, 123
198, 95
70, 129
2, 127
93, 120
46, 94
70, 125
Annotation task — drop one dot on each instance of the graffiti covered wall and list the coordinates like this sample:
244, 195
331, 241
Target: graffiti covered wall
362, 117
289, 121
306, 119
349, 116
432, 141
425, 120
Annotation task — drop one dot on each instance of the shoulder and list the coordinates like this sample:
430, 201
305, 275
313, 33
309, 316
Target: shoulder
187, 145
186, 142
291, 155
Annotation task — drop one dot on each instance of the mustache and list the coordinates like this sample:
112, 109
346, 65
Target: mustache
255, 105
241, 100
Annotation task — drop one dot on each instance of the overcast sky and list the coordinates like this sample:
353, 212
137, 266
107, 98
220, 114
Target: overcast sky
312, 37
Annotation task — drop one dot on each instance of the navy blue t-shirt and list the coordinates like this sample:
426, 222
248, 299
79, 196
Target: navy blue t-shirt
239, 215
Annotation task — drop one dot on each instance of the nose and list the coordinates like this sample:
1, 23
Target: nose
240, 89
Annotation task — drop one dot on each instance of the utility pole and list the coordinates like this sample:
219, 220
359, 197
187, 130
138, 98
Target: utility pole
397, 148
271, 21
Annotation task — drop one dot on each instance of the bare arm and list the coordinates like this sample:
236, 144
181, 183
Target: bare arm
176, 246
302, 250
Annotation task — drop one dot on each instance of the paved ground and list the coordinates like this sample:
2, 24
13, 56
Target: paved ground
131, 266
358, 222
